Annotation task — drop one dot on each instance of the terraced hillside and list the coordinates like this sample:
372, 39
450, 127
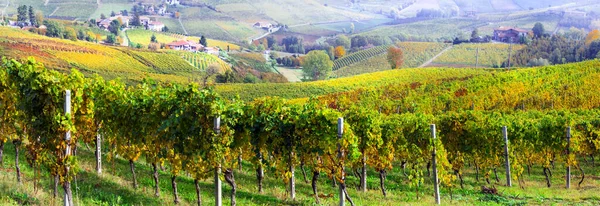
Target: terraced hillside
106, 61
415, 54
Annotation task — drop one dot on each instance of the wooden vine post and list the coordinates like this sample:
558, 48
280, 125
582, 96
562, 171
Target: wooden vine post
568, 176
506, 157
341, 155
98, 154
68, 198
218, 189
436, 186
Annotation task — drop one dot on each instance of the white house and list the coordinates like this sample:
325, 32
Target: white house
183, 45
156, 26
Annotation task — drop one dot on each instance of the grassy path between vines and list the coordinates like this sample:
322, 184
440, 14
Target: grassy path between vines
428, 62
113, 187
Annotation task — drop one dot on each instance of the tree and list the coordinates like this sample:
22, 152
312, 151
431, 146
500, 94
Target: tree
22, 14
102, 16
54, 29
39, 17
165, 29
331, 53
592, 36
203, 41
271, 41
70, 34
125, 12
112, 14
317, 65
359, 41
32, 18
153, 39
135, 21
212, 70
111, 39
81, 35
474, 34
114, 27
342, 40
538, 30
339, 52
395, 57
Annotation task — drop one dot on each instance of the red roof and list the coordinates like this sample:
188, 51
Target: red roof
179, 43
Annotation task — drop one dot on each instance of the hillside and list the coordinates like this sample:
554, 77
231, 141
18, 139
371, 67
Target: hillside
106, 61
484, 80
415, 54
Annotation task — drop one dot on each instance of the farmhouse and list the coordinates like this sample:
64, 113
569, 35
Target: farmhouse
104, 23
144, 20
183, 45
156, 26
263, 25
212, 50
509, 34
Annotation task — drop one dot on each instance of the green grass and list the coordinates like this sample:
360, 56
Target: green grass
490, 55
113, 187
431, 30
107, 8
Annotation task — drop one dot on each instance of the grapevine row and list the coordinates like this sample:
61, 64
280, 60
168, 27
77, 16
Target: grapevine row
178, 125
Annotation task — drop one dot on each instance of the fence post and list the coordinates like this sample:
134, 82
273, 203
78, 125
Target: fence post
218, 188
341, 155
436, 186
568, 176
506, 157
68, 148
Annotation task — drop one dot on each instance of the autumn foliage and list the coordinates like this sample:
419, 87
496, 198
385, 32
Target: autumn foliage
339, 52
592, 36
395, 57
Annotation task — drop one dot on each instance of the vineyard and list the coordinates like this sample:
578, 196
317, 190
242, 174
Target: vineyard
385, 145
201, 61
317, 88
415, 54
359, 56
91, 59
490, 55
141, 36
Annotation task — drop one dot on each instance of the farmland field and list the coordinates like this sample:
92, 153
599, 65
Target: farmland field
415, 54
430, 30
490, 55
106, 8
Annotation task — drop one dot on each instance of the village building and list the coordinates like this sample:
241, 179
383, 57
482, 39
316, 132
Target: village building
212, 50
263, 25
144, 20
509, 34
104, 23
156, 26
183, 45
